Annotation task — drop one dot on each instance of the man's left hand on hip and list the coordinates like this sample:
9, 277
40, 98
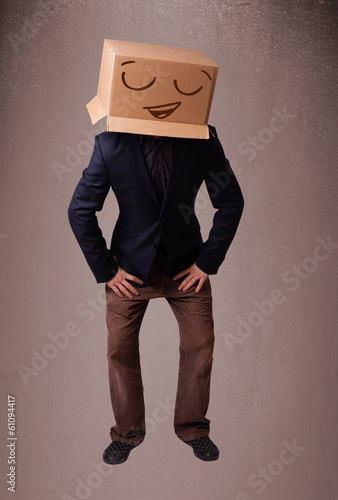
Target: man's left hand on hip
194, 274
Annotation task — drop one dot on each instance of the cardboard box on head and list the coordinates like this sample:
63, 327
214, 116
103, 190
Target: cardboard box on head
154, 90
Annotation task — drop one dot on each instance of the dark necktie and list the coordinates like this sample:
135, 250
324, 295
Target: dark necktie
157, 158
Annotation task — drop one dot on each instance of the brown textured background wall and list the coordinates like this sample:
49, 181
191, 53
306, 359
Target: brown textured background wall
273, 408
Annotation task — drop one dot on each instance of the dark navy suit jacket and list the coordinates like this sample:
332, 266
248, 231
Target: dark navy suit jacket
118, 163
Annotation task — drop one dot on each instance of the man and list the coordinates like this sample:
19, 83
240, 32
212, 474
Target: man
157, 251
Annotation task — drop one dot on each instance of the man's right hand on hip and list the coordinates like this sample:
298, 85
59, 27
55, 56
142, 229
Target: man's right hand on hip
121, 286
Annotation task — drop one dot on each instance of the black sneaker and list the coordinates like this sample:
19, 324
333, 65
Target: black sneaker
117, 452
204, 448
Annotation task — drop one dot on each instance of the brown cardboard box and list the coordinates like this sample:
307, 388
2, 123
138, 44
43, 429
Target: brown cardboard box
154, 90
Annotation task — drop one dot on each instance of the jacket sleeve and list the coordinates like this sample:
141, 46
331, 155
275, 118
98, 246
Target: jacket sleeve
88, 198
226, 196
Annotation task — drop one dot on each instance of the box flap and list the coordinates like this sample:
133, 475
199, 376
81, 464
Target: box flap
96, 110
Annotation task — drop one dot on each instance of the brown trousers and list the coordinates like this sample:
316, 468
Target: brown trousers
193, 312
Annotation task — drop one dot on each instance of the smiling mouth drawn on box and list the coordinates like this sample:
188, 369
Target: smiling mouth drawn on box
164, 110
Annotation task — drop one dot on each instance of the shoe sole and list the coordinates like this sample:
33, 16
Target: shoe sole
115, 461
206, 458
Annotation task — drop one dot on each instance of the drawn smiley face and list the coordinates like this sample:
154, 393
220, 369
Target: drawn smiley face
161, 111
